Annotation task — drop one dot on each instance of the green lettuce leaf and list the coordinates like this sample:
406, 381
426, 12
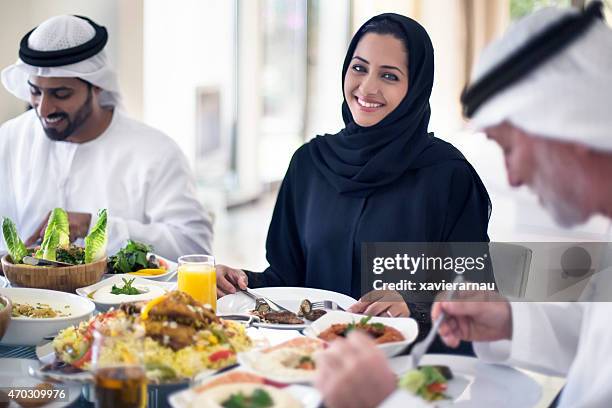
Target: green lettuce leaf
14, 244
413, 381
95, 242
49, 245
58, 220
56, 234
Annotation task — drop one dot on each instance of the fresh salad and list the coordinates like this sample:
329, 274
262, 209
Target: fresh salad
56, 244
428, 382
136, 257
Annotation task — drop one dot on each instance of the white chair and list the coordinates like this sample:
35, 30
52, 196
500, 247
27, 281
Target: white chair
511, 263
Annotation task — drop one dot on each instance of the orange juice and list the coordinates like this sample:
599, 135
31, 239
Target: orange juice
200, 281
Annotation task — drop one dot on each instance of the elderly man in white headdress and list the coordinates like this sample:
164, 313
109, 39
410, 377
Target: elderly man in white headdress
78, 150
543, 92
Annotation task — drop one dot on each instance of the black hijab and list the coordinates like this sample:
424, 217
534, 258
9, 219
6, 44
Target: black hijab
358, 160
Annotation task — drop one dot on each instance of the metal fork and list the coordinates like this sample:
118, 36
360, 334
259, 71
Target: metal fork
419, 349
327, 304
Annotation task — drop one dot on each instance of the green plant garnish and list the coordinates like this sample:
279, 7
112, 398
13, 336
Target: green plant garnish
131, 258
365, 320
258, 399
352, 326
73, 255
127, 288
378, 326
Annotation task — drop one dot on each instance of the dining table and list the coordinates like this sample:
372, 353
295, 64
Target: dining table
550, 386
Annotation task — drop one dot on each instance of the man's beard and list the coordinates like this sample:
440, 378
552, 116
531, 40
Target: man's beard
562, 206
80, 117
565, 214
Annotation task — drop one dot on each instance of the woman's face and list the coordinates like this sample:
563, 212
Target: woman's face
377, 78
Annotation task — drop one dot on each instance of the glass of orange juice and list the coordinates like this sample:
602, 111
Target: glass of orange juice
197, 276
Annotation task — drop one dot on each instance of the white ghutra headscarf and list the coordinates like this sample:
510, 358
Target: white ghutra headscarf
567, 98
64, 33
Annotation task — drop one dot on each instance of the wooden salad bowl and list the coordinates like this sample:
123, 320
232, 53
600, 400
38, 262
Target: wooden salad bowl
65, 279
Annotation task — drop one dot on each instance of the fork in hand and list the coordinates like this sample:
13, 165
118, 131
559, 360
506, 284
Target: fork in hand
327, 304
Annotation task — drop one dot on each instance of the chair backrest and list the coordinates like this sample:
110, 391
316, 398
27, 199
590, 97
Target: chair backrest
511, 263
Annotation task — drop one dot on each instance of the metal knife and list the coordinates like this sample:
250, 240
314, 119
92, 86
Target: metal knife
30, 260
272, 304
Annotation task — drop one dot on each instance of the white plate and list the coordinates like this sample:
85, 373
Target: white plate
14, 373
307, 396
288, 297
478, 384
3, 282
252, 360
25, 331
45, 353
118, 280
172, 267
405, 325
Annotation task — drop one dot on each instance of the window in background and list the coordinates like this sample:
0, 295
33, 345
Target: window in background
329, 33
210, 157
284, 84
520, 8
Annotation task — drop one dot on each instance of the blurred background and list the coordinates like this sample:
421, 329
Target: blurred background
240, 84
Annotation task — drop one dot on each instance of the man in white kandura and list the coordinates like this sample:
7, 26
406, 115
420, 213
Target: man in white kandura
78, 150
543, 92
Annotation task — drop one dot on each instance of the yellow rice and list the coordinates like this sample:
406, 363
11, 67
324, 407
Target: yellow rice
185, 362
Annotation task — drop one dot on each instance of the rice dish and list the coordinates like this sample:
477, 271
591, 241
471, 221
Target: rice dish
175, 346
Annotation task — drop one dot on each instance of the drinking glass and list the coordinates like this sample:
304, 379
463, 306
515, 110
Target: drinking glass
118, 364
197, 277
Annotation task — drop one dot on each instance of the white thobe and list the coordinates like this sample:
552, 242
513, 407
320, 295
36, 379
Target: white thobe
566, 339
136, 172
572, 340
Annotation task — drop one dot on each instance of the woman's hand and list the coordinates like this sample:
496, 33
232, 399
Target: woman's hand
388, 303
229, 280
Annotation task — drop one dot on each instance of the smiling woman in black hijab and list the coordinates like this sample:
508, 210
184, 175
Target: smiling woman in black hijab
383, 178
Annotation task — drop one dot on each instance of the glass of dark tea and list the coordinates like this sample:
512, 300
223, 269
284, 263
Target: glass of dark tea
118, 364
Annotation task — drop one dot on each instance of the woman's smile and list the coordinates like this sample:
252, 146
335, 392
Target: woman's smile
376, 81
368, 105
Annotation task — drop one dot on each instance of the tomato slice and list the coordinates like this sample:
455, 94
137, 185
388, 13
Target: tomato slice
162, 264
81, 361
437, 387
220, 355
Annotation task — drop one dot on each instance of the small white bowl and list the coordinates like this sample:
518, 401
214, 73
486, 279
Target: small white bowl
405, 325
103, 305
268, 362
26, 331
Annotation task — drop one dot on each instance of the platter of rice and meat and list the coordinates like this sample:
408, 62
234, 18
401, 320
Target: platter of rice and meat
182, 338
